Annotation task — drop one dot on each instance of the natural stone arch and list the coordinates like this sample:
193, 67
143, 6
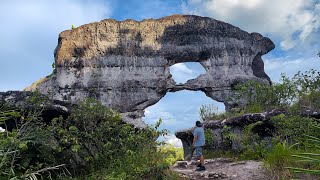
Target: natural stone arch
125, 64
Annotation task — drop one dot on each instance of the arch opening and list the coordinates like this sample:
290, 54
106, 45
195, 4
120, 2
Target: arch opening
178, 111
182, 72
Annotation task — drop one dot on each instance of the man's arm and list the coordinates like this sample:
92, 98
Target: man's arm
194, 140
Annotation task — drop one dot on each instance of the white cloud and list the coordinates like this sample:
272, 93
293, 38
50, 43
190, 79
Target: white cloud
2, 130
152, 115
182, 72
147, 112
290, 66
284, 19
182, 68
173, 140
287, 44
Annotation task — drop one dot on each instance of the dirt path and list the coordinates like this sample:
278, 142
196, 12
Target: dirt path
222, 168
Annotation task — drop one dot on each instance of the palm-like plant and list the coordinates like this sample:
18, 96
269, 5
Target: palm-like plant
312, 158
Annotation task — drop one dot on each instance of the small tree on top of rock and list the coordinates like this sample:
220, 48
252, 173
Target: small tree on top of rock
208, 112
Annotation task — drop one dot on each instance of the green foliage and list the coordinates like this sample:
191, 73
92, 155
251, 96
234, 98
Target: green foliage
208, 112
172, 154
53, 65
228, 137
73, 27
93, 135
211, 112
26, 149
253, 146
287, 138
302, 90
7, 112
278, 159
92, 142
291, 128
261, 97
208, 137
310, 158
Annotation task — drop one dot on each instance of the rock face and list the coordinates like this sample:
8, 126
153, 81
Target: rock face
125, 64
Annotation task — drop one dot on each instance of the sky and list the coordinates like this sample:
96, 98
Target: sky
30, 29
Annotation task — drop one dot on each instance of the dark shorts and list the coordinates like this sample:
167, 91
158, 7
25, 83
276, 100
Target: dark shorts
198, 151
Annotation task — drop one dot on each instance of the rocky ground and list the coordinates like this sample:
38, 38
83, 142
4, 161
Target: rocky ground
222, 168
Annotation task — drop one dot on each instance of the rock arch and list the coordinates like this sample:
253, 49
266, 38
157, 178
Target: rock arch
125, 64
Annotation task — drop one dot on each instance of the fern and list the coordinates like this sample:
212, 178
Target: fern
312, 158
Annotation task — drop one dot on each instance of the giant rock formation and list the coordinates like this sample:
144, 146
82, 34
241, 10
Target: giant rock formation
125, 64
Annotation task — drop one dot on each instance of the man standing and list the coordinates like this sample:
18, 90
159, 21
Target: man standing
198, 143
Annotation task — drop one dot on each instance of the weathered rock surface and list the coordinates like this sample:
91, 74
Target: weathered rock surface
125, 64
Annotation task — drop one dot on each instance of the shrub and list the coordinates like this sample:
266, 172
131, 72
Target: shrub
208, 112
92, 142
28, 149
278, 159
172, 154
291, 128
302, 89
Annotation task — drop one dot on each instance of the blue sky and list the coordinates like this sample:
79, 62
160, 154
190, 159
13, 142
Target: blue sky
30, 29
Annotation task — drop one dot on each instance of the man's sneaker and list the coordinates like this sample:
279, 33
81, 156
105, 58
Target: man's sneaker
201, 168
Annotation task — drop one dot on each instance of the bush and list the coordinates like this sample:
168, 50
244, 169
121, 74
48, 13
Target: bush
291, 128
95, 138
92, 142
27, 150
303, 89
208, 112
172, 154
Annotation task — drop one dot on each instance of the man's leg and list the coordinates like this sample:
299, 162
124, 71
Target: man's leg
202, 168
197, 155
201, 160
200, 157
